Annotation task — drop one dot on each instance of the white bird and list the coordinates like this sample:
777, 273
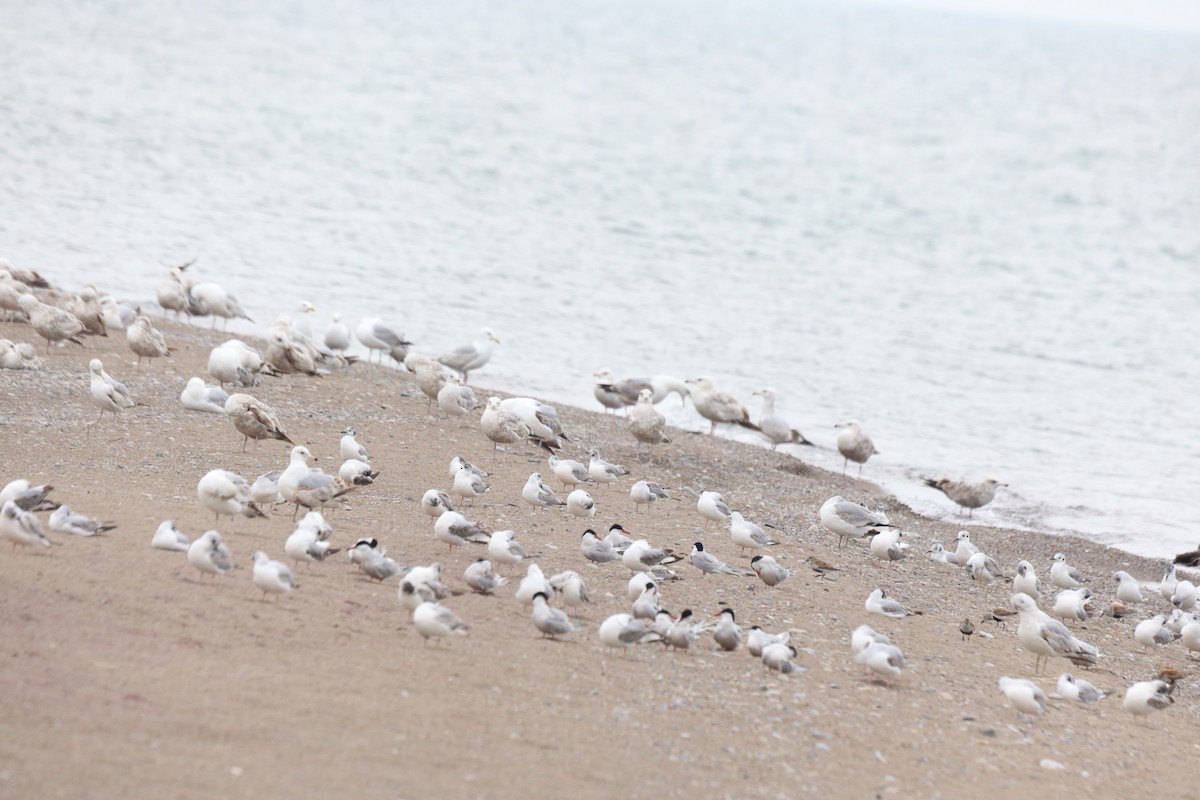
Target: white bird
337, 335
413, 593
983, 569
886, 545
211, 299
63, 520
456, 400
1166, 587
1070, 604
169, 537
429, 375
435, 503
235, 362
849, 520
209, 555
602, 471
500, 426
201, 396
685, 631
622, 630
349, 448
227, 494
468, 485
644, 493
363, 548
618, 538
375, 564
108, 394
568, 472
570, 586
646, 424
480, 577
707, 563
21, 527
712, 507
504, 550
641, 557
552, 622
1146, 697
471, 356
746, 534
1189, 635
879, 603
357, 473
459, 462
937, 553
646, 605
607, 393
379, 338
716, 406
854, 445
964, 548
769, 570
144, 340
727, 634
172, 293
1063, 575
456, 530
303, 485
537, 494
757, 640
1025, 695
885, 660
581, 504
1077, 689
542, 420
777, 429
864, 636
596, 549
638, 583
1026, 580
533, 582
1045, 636
1128, 589
433, 620
308, 542
1184, 597
254, 419
778, 656
1152, 633
273, 577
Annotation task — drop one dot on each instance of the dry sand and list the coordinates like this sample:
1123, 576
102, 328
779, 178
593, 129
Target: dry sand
127, 676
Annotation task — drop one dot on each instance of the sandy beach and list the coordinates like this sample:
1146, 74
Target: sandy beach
128, 676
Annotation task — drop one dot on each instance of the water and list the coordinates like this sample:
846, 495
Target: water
978, 235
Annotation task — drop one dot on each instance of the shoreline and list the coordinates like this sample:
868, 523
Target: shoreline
128, 675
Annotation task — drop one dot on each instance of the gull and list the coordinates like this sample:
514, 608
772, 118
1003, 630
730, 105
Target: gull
717, 406
289, 351
758, 639
273, 577
468, 485
412, 594
144, 340
348, 447
581, 504
429, 376
1070, 604
172, 293
1151, 633
541, 419
303, 485
707, 563
645, 492
456, 530
1166, 586
1045, 636
433, 620
638, 583
821, 567
479, 576
1026, 581
773, 426
779, 657
226, 494
886, 545
309, 541
609, 394
641, 557
110, 395
428, 576
864, 636
19, 355
1184, 596
169, 537
209, 555
879, 603
618, 538
64, 520
849, 520
1128, 590
727, 634
569, 585
964, 548
968, 495
254, 419
538, 494
983, 569
622, 630
458, 462
645, 422
502, 427
379, 338
1177, 620
52, 324
533, 582
1146, 697
684, 633
88, 311
357, 473
456, 400
712, 507
769, 570
1189, 636
337, 335
884, 660
568, 472
27, 496
201, 396
265, 489
504, 550
966, 628
854, 445
1063, 575
660, 387
596, 549
471, 356
435, 503
602, 471
211, 299
937, 554
1072, 688
231, 363
21, 527
747, 534
116, 315
1025, 695
10, 296
375, 564
552, 622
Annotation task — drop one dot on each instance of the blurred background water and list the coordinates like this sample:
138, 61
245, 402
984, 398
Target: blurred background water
977, 233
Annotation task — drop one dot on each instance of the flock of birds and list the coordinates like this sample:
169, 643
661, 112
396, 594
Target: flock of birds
525, 421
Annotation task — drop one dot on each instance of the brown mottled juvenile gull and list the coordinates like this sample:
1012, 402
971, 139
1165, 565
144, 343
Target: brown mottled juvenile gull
968, 495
